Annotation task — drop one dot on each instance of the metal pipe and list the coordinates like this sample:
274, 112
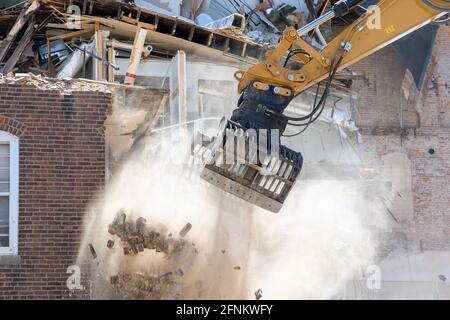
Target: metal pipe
341, 8
327, 16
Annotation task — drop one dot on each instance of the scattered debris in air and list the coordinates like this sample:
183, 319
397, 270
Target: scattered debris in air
93, 252
258, 294
185, 230
137, 237
110, 244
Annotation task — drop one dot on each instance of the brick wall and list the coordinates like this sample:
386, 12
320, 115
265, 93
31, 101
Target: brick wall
430, 226
62, 167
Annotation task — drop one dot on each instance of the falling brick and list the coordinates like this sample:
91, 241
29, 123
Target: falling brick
185, 230
93, 253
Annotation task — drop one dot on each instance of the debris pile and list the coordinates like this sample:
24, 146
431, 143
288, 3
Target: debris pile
80, 38
90, 39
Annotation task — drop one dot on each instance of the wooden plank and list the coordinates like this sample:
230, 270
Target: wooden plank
24, 16
147, 26
123, 30
111, 60
136, 54
178, 89
21, 46
99, 52
182, 87
70, 35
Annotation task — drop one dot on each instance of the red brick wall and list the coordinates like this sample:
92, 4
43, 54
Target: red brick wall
62, 167
430, 226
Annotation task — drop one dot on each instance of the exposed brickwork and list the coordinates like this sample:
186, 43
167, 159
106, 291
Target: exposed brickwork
430, 172
380, 91
62, 167
12, 126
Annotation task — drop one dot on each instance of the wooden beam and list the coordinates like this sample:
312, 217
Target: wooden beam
136, 54
178, 89
147, 26
21, 46
111, 60
70, 35
99, 53
23, 18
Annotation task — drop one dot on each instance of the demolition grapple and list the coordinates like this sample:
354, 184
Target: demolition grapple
246, 157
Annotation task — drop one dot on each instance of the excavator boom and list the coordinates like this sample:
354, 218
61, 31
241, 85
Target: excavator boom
246, 157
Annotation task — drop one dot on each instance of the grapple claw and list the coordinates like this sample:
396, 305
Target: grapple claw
238, 163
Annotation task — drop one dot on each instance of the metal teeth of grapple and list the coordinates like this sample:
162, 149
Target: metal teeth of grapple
265, 183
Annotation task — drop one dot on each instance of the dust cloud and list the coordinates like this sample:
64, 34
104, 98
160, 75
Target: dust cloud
321, 237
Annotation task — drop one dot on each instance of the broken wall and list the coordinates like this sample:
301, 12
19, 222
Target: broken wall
427, 146
414, 158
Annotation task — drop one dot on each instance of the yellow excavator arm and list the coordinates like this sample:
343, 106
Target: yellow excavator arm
261, 170
383, 24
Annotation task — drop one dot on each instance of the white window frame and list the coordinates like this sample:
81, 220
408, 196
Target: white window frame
13, 194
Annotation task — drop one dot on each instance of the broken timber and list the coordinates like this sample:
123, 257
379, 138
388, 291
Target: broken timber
23, 43
23, 18
172, 33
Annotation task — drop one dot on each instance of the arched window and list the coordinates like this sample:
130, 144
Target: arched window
9, 194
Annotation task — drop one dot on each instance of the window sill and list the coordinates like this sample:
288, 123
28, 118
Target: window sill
9, 261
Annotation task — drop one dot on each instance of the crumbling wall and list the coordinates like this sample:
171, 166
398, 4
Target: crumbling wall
380, 92
427, 147
62, 167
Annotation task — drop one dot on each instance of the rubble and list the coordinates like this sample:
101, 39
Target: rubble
44, 37
47, 37
136, 237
